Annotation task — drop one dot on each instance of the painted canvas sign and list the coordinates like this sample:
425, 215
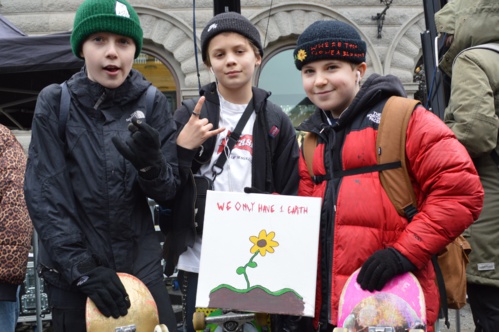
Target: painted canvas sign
259, 253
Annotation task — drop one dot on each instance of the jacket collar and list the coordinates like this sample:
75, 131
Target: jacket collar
375, 89
260, 96
88, 92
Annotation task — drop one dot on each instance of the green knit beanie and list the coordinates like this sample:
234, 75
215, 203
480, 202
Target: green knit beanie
115, 16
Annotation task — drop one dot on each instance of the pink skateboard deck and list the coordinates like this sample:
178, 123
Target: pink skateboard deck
399, 306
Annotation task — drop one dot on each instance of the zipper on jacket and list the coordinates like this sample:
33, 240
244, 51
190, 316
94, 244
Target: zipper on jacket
327, 246
194, 201
331, 186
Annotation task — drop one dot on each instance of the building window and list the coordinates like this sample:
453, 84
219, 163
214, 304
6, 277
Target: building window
280, 76
159, 75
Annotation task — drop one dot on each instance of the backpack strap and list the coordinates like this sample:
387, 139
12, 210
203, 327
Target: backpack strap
190, 104
64, 110
150, 94
309, 145
489, 46
444, 307
390, 148
232, 138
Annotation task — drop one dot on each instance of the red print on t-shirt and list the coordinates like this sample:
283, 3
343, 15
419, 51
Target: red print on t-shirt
245, 142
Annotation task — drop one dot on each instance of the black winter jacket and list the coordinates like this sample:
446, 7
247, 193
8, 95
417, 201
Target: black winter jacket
87, 202
274, 166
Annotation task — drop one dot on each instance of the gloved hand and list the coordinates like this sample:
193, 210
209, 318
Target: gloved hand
142, 148
254, 190
104, 287
381, 267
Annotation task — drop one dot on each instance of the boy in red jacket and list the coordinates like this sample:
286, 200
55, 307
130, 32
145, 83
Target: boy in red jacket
360, 227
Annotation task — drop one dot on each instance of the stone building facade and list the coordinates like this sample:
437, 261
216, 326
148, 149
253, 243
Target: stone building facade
169, 36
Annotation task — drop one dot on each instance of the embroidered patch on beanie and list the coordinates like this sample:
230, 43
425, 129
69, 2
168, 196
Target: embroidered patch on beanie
229, 22
329, 40
121, 10
114, 16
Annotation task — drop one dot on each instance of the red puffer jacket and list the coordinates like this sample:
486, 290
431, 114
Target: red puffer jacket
357, 215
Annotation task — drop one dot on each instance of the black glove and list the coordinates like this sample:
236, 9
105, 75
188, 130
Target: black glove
253, 190
142, 148
104, 287
381, 267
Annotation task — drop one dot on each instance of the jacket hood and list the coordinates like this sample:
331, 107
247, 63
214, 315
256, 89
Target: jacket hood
88, 92
471, 22
374, 90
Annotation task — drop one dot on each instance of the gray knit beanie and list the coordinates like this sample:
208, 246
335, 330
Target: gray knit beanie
329, 40
229, 22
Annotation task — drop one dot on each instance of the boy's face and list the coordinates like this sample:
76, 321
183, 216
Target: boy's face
331, 84
233, 61
108, 58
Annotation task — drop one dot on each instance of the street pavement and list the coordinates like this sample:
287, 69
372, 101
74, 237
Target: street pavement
464, 322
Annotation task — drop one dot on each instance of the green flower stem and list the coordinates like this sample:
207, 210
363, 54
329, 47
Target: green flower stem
245, 266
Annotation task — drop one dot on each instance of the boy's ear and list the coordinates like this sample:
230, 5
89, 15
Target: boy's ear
258, 59
362, 67
207, 64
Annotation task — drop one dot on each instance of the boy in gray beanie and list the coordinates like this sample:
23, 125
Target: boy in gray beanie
229, 22
87, 185
232, 50
360, 227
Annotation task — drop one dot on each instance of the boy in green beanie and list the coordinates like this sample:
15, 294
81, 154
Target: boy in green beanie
360, 227
87, 186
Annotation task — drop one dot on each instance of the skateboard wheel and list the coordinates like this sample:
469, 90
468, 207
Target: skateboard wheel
416, 330
340, 329
261, 319
161, 328
198, 320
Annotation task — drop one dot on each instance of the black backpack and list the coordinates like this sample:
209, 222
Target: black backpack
66, 101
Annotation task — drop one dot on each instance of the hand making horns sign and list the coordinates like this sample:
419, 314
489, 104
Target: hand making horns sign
196, 130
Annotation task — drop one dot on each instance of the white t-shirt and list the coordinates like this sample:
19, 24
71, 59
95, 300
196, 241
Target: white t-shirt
236, 174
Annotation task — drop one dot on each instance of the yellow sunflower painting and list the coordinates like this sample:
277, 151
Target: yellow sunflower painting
263, 243
254, 295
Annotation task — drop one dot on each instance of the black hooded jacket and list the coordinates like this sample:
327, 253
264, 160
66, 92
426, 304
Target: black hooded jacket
87, 202
274, 165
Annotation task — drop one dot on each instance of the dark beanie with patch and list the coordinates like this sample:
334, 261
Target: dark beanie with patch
329, 40
115, 16
229, 22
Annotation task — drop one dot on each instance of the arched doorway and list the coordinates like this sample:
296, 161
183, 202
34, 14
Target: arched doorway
160, 75
280, 76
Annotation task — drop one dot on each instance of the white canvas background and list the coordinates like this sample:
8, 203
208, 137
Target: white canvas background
226, 244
